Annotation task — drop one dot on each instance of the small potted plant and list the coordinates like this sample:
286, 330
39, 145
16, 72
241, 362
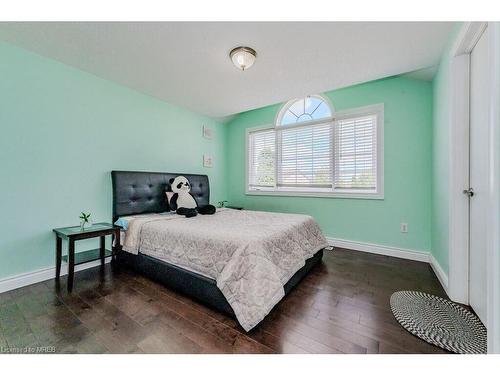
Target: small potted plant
85, 220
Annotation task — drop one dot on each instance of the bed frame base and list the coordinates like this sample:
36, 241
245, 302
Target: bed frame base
195, 285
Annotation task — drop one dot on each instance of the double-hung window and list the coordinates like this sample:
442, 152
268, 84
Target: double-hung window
313, 151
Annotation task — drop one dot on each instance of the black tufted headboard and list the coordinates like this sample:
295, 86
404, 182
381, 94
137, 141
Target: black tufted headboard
144, 192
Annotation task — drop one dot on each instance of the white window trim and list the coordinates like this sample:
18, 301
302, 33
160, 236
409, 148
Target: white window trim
377, 109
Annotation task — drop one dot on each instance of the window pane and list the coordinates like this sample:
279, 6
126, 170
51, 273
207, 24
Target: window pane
305, 156
322, 111
262, 159
312, 103
355, 153
288, 118
297, 107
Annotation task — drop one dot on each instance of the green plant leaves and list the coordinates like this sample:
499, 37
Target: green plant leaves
85, 217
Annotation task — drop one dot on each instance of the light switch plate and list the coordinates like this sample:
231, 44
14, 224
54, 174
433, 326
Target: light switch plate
207, 161
404, 227
207, 132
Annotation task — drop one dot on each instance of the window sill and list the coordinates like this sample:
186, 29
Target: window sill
317, 194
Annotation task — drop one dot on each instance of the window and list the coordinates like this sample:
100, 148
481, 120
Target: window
355, 153
262, 157
313, 151
303, 110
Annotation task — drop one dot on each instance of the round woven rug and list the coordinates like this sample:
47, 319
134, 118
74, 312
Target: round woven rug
439, 322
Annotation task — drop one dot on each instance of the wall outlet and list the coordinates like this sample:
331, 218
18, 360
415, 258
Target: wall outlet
404, 227
207, 161
207, 132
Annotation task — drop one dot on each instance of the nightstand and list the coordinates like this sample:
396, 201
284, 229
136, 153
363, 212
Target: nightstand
73, 234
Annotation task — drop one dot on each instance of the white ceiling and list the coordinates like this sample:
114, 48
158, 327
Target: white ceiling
187, 63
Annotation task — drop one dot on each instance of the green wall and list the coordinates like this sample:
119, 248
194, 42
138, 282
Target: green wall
441, 158
407, 155
61, 133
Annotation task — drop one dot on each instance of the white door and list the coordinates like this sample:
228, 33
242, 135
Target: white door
478, 175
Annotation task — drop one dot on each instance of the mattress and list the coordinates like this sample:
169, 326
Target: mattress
250, 254
156, 252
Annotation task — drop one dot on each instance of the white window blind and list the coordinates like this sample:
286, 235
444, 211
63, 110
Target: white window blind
304, 156
355, 153
262, 159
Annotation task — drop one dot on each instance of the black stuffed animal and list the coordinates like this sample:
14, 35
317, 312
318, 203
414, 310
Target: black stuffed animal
183, 202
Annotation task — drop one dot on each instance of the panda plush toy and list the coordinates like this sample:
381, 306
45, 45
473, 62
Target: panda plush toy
183, 202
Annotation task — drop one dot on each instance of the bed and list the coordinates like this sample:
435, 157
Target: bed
221, 260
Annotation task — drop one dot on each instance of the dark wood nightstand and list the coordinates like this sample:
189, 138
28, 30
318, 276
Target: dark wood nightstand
73, 234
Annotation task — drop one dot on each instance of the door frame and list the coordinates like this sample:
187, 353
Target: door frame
493, 276
458, 278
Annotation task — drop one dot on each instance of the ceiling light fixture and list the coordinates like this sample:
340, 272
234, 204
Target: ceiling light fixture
243, 57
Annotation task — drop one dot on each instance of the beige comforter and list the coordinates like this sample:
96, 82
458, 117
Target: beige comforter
250, 254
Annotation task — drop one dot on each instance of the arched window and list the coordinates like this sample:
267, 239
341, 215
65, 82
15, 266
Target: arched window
313, 150
310, 108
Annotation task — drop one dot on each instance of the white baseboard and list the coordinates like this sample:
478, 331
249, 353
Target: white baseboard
420, 256
24, 279
441, 275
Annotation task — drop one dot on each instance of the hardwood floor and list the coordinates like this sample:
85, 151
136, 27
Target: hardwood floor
342, 306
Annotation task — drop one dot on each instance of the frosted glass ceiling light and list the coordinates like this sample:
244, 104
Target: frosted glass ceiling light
243, 57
